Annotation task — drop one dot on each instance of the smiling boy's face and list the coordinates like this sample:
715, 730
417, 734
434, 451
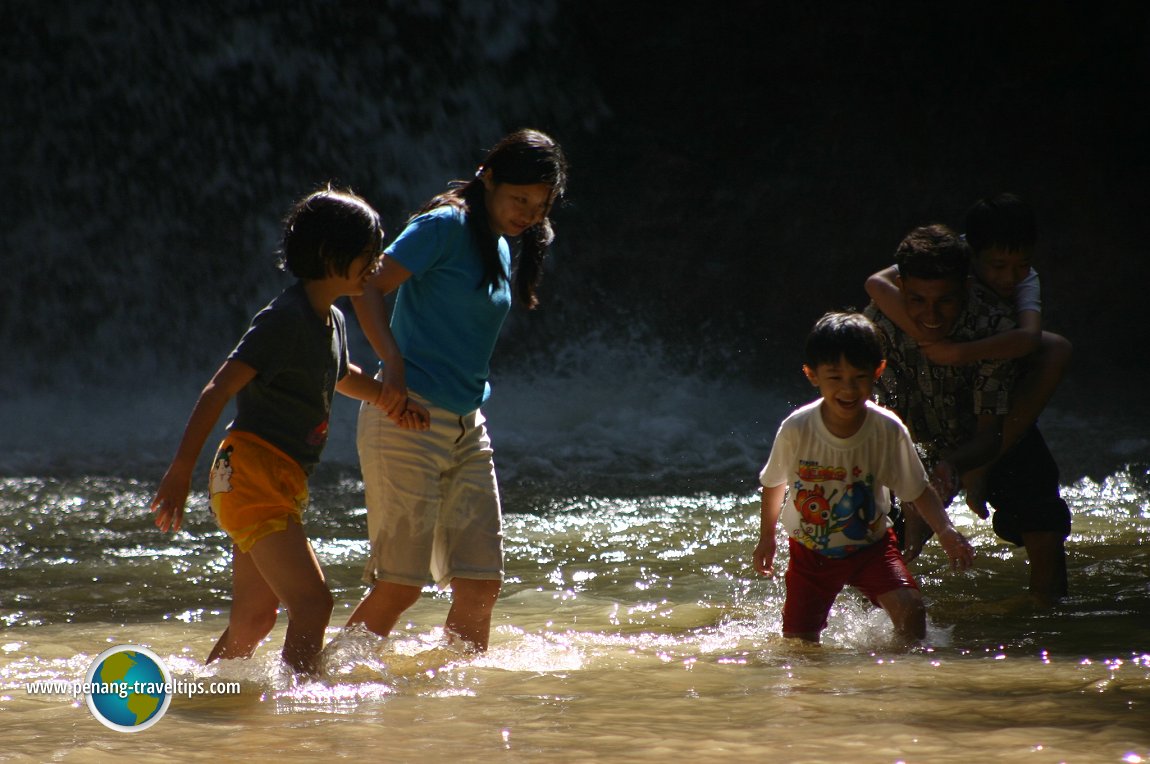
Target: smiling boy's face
845, 389
933, 305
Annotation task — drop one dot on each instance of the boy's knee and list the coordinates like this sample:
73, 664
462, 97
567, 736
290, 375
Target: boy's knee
912, 602
903, 603
254, 625
1056, 348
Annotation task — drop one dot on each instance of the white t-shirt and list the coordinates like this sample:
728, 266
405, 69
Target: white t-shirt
838, 499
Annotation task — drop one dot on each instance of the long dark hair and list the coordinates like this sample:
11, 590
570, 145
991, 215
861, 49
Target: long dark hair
525, 157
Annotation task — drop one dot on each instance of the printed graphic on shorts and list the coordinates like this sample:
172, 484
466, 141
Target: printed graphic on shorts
837, 514
220, 480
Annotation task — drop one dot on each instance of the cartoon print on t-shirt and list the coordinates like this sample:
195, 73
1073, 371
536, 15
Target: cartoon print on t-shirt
852, 512
855, 511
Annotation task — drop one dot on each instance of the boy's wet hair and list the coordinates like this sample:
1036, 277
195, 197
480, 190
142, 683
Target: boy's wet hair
933, 252
845, 334
327, 230
1002, 221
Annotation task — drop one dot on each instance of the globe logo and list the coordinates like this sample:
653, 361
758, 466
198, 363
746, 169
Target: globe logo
130, 688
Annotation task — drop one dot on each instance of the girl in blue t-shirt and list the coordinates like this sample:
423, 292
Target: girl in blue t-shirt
432, 498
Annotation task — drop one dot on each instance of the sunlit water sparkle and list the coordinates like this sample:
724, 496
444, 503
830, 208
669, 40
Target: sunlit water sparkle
629, 629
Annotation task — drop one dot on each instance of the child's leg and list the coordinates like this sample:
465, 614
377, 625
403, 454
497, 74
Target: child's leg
383, 605
472, 601
812, 582
907, 612
1046, 551
1045, 369
253, 614
287, 563
1030, 511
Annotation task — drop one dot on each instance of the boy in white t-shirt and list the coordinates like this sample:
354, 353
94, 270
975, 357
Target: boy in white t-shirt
839, 456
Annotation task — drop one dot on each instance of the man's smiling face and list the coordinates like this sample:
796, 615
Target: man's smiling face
933, 305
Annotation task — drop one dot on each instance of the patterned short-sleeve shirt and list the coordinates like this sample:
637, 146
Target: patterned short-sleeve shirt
941, 404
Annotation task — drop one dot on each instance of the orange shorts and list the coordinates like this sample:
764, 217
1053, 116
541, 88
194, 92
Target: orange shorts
255, 489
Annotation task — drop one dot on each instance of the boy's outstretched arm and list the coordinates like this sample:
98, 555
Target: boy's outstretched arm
929, 508
172, 495
357, 384
772, 505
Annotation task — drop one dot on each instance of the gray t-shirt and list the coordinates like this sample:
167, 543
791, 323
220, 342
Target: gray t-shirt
298, 360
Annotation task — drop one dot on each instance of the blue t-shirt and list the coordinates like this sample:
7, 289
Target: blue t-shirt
298, 359
446, 320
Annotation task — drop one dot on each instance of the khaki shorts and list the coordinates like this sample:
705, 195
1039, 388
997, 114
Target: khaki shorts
433, 509
255, 489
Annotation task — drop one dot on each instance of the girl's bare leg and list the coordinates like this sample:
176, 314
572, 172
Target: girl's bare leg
472, 602
280, 568
254, 610
383, 606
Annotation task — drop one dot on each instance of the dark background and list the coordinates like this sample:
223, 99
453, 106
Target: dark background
738, 168
773, 154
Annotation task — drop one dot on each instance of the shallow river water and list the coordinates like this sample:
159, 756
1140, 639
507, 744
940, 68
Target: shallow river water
629, 629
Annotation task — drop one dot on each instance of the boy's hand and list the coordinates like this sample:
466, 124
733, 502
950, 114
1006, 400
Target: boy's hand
413, 416
957, 548
764, 556
171, 496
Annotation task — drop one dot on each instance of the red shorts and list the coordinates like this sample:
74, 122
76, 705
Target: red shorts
814, 580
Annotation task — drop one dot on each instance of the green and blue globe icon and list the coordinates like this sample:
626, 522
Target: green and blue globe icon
134, 688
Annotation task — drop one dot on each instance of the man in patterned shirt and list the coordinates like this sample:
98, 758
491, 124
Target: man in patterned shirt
955, 413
